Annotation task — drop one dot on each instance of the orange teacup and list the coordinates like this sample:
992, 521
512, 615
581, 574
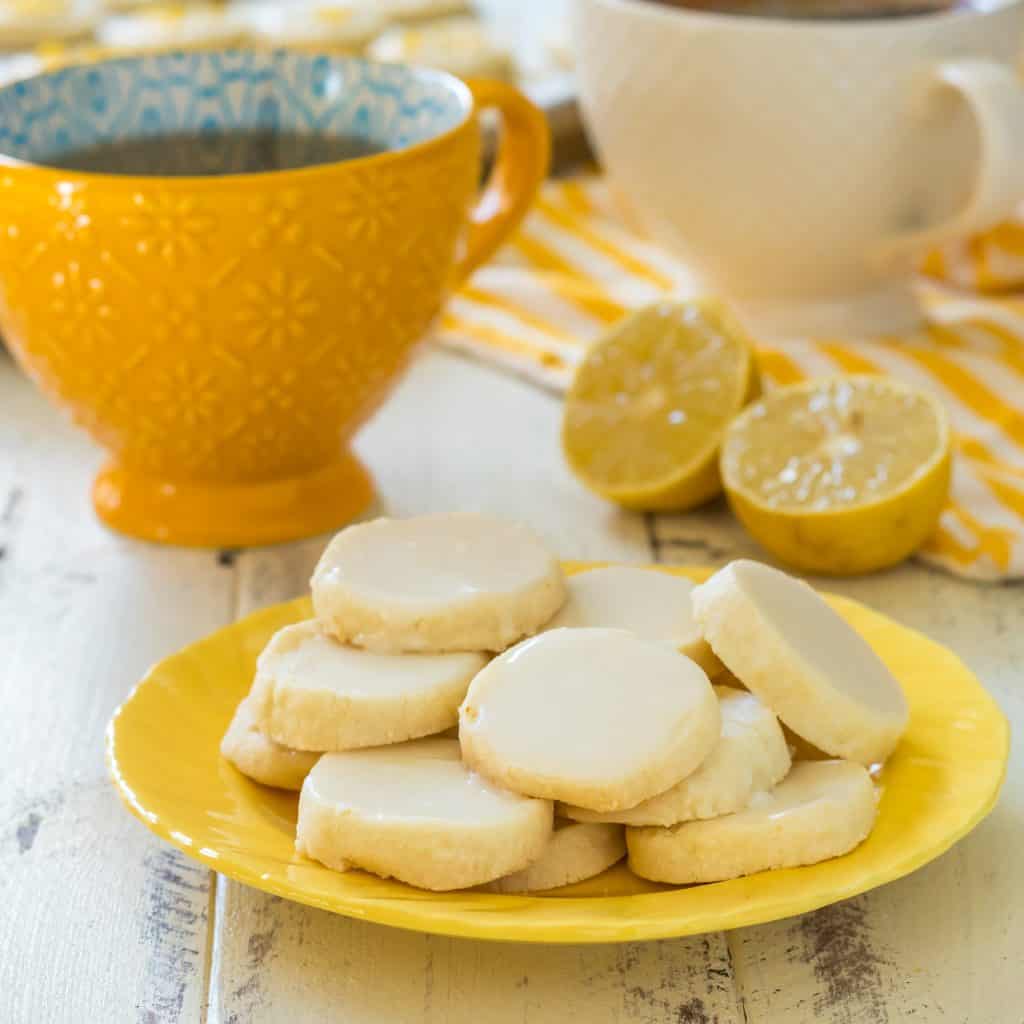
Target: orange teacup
224, 331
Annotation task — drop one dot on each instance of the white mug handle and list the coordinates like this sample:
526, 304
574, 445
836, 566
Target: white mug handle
995, 97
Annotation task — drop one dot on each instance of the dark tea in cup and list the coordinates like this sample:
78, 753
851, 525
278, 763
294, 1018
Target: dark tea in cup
235, 151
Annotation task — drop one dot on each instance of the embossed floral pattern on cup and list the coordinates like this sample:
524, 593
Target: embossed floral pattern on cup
277, 220
81, 309
171, 226
278, 309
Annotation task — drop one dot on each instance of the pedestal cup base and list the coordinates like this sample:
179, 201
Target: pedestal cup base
199, 514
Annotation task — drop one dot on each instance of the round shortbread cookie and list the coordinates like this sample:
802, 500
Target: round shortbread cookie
25, 26
415, 812
411, 11
255, 754
821, 809
337, 28
165, 27
313, 693
652, 604
750, 757
575, 851
460, 46
594, 717
460, 582
785, 643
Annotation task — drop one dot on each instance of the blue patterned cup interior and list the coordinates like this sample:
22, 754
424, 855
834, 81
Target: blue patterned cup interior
211, 106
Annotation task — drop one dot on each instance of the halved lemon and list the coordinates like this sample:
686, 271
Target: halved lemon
649, 404
839, 476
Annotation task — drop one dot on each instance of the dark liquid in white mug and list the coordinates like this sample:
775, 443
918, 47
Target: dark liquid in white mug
827, 9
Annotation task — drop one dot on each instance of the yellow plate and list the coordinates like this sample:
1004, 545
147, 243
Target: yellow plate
162, 748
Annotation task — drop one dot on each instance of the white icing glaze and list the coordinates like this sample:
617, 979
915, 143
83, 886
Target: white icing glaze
424, 780
318, 662
786, 643
652, 604
585, 709
805, 622
435, 559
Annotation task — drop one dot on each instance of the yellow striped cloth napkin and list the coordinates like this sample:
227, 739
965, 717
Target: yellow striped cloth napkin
574, 268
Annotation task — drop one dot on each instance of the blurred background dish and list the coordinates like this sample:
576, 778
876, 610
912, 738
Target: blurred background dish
336, 26
423, 10
173, 27
462, 46
26, 23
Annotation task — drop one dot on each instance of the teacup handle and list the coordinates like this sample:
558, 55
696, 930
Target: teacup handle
519, 168
995, 96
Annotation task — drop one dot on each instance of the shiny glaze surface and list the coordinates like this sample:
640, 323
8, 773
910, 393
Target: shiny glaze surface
587, 704
434, 560
421, 780
306, 658
656, 607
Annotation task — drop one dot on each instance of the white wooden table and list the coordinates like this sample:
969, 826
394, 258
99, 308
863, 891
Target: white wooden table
100, 922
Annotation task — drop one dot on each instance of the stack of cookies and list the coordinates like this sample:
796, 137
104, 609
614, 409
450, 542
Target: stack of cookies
586, 717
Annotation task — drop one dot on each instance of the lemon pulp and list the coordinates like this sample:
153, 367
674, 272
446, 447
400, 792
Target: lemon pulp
645, 414
842, 475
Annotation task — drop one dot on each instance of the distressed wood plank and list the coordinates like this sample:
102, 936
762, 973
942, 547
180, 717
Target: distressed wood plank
458, 435
491, 444
278, 961
98, 921
706, 536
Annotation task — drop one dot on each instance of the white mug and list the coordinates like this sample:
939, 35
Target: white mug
801, 168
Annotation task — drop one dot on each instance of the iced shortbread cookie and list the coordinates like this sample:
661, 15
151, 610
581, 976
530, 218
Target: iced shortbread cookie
411, 11
575, 851
25, 24
165, 26
801, 658
337, 27
462, 46
651, 604
255, 754
415, 812
313, 693
460, 582
821, 809
594, 717
750, 757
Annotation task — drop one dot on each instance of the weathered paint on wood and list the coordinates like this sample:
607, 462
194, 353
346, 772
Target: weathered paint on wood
100, 922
